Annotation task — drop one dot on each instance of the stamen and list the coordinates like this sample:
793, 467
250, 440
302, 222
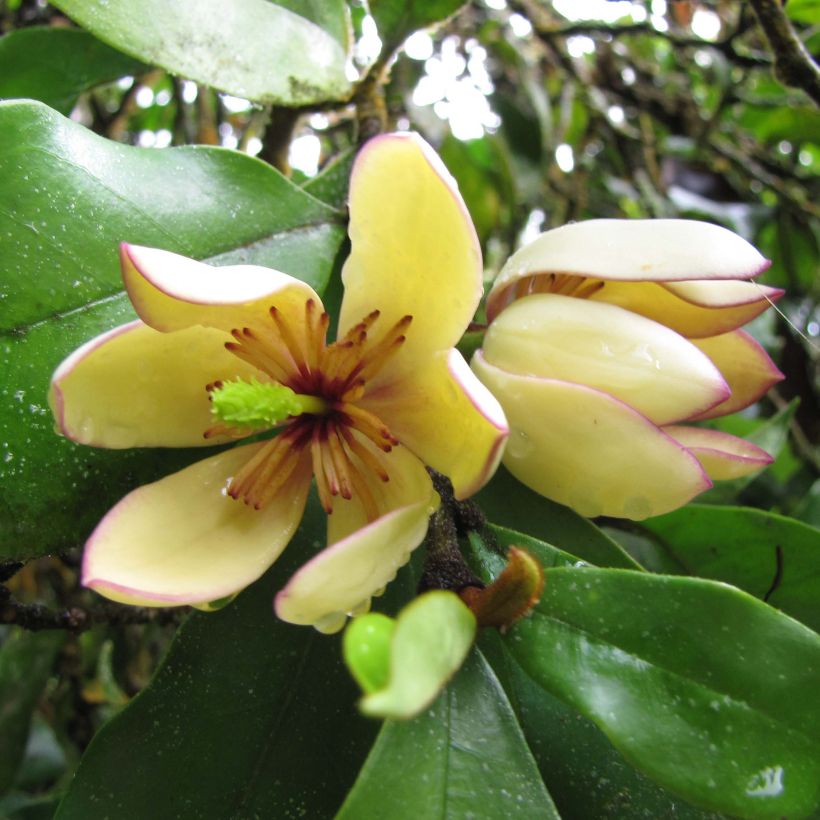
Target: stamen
339, 459
291, 342
375, 358
322, 486
368, 424
369, 458
366, 499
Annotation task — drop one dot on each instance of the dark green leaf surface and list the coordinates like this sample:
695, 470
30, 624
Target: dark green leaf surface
26, 659
56, 65
464, 757
583, 772
398, 19
251, 48
246, 717
729, 724
67, 198
740, 546
509, 503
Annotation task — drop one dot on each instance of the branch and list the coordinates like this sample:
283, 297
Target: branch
793, 64
79, 619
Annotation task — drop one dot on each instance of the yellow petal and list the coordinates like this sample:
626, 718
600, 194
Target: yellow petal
630, 250
746, 367
414, 249
362, 557
644, 364
137, 387
721, 455
171, 292
182, 540
448, 418
695, 321
585, 449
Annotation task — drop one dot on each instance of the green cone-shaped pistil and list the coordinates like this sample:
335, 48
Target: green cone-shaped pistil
256, 405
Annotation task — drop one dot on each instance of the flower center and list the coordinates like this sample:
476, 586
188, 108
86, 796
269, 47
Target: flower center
564, 284
314, 394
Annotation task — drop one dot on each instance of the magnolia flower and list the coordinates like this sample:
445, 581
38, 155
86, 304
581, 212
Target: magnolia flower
605, 336
220, 353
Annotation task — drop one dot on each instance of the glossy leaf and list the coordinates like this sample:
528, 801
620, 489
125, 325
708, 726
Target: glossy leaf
74, 196
26, 660
464, 757
727, 724
247, 716
251, 48
56, 65
763, 553
398, 19
509, 503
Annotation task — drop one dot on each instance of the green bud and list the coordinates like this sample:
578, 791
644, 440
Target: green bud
366, 649
255, 405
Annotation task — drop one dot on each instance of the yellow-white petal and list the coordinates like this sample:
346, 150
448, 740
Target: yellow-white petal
721, 455
171, 292
137, 387
589, 451
182, 540
665, 305
447, 417
633, 250
640, 362
363, 556
746, 367
414, 250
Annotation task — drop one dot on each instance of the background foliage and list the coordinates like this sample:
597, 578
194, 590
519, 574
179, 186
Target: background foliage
639, 686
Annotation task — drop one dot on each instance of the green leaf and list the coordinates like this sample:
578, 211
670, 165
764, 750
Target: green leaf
464, 757
707, 690
508, 502
246, 717
26, 660
740, 546
583, 772
252, 48
803, 11
398, 19
56, 65
430, 640
331, 15
67, 198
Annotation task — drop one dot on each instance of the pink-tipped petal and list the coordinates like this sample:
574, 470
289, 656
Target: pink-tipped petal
136, 387
640, 362
171, 292
721, 455
745, 365
630, 250
363, 556
414, 250
585, 449
183, 540
448, 418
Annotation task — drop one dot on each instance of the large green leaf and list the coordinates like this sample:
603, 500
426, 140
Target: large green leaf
758, 551
55, 65
508, 502
464, 757
583, 772
67, 198
26, 660
709, 691
397, 19
246, 717
251, 48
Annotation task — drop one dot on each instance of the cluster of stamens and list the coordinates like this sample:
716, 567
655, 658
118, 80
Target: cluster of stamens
342, 440
563, 284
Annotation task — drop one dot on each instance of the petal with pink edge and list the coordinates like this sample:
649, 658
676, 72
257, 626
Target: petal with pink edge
630, 250
745, 365
640, 362
414, 249
447, 417
363, 557
137, 387
694, 321
171, 292
589, 451
182, 540
721, 455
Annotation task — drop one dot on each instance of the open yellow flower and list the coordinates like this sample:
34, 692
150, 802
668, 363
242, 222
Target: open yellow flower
364, 414
605, 336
